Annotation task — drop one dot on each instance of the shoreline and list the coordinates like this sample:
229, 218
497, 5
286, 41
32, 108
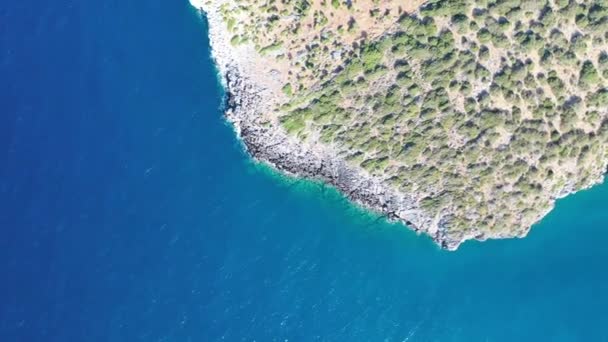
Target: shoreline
245, 100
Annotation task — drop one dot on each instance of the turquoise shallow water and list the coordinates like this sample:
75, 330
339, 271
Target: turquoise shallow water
129, 212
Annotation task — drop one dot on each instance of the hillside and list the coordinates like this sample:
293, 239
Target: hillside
463, 119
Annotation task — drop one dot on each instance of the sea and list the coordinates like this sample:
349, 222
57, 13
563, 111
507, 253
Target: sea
129, 211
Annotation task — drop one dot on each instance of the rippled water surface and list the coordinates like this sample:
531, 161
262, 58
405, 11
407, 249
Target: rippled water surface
128, 212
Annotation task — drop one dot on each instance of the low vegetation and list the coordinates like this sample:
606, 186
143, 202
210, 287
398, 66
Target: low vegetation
487, 110
483, 110
309, 39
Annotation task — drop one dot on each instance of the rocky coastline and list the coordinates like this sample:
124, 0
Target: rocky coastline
246, 99
248, 95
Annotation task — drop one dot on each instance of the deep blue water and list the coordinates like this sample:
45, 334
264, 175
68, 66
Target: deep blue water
128, 212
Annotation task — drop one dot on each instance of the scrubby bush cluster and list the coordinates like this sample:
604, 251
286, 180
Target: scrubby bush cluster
487, 110
313, 37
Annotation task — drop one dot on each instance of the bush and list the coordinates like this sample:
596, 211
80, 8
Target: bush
588, 76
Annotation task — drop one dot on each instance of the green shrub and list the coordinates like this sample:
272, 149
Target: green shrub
588, 76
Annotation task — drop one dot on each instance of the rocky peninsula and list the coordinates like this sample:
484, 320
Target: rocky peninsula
425, 112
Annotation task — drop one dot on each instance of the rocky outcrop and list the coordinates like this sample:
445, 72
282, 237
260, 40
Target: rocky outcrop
251, 95
246, 99
272, 146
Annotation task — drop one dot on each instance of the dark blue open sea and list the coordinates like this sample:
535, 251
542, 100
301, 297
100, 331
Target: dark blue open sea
129, 212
